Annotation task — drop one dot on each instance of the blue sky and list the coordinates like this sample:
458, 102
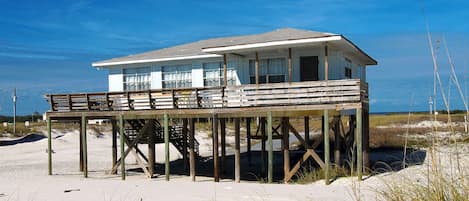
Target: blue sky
48, 46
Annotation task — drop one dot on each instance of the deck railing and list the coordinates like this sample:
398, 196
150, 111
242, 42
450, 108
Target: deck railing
277, 94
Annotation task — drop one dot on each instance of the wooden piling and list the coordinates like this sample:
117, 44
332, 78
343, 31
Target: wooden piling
166, 145
270, 172
326, 147
223, 144
337, 141
151, 149
49, 144
248, 138
85, 147
191, 149
237, 152
114, 142
263, 138
359, 144
184, 144
286, 147
366, 141
81, 146
122, 148
216, 176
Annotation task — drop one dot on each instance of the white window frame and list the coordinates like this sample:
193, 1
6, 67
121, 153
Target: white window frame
266, 74
136, 79
176, 76
218, 79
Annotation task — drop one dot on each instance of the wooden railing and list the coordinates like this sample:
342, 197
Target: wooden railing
278, 94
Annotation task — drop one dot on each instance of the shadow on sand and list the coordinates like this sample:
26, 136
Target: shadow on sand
25, 139
381, 160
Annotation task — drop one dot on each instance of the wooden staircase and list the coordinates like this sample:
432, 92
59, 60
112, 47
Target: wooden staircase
176, 136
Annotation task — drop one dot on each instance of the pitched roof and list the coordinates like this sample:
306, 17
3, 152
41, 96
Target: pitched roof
194, 49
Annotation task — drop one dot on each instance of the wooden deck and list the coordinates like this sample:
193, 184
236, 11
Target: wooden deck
244, 99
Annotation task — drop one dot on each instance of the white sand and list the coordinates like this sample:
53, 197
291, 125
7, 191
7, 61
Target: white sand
23, 176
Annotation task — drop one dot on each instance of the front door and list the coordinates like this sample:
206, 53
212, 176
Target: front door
309, 68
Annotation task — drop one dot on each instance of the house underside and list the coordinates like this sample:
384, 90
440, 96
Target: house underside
138, 115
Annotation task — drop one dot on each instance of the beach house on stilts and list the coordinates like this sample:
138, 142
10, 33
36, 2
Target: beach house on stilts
267, 78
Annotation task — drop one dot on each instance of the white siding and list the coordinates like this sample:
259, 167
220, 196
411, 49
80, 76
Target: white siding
197, 75
116, 79
156, 78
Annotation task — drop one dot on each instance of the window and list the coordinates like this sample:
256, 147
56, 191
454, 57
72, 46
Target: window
213, 74
179, 76
348, 73
137, 79
348, 68
270, 70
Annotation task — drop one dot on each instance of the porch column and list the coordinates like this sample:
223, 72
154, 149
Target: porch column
225, 81
326, 62
290, 66
257, 68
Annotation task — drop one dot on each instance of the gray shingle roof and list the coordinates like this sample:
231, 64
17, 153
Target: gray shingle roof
195, 48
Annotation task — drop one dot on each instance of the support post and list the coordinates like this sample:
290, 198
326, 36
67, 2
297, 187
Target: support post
122, 148
80, 137
184, 144
359, 144
263, 138
366, 140
166, 145
257, 68
151, 148
114, 142
85, 147
326, 147
290, 66
270, 172
223, 144
216, 176
337, 142
237, 152
225, 81
191, 148
248, 138
286, 147
49, 144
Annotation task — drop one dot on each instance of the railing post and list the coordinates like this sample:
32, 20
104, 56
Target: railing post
69, 99
51, 101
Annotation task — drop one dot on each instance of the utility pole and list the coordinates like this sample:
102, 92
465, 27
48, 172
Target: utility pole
14, 110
